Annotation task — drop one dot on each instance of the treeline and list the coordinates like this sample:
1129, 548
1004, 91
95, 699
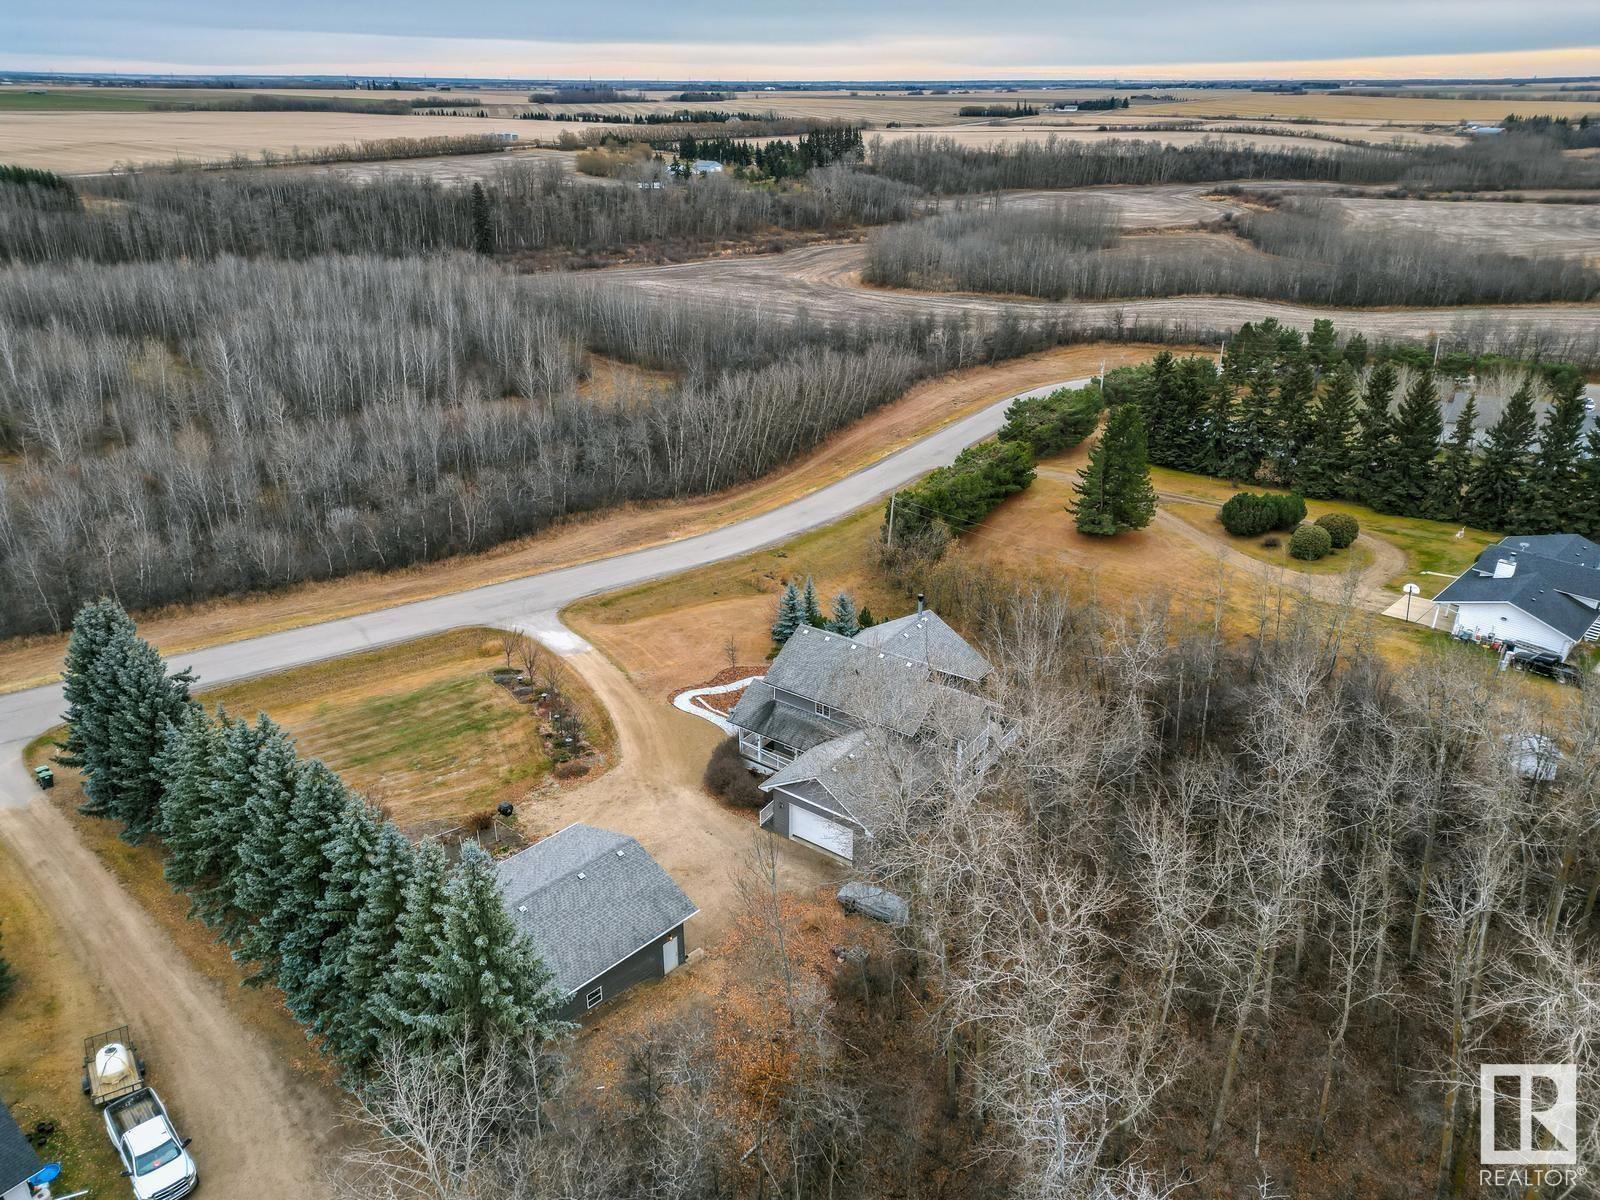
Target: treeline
280, 103
527, 207
941, 164
952, 500
186, 431
373, 150
1105, 104
1019, 109
37, 177
593, 94
376, 945
1580, 134
1312, 255
1303, 413
780, 159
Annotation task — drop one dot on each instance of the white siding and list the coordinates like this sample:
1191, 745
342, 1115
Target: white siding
1510, 624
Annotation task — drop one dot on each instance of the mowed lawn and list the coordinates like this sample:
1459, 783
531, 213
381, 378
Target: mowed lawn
420, 728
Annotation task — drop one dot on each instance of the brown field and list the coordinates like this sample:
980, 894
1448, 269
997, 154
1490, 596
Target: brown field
27, 662
1335, 107
91, 142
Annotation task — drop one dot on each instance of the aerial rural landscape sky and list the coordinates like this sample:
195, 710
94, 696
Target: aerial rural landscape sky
827, 39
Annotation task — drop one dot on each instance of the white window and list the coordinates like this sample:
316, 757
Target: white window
593, 998
822, 709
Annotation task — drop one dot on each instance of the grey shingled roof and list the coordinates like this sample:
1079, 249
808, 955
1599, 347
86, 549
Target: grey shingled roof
845, 775
925, 637
18, 1162
1551, 570
583, 926
871, 685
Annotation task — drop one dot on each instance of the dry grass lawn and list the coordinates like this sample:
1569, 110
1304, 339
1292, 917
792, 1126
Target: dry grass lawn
27, 662
420, 728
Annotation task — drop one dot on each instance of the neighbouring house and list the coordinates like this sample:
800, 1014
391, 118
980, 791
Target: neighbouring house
706, 166
833, 713
18, 1162
1539, 590
601, 912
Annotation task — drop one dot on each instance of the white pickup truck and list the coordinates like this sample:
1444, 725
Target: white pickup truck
154, 1158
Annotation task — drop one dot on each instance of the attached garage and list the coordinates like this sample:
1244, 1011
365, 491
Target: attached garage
820, 831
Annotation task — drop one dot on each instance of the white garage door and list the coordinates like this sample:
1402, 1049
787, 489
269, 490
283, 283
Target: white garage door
819, 831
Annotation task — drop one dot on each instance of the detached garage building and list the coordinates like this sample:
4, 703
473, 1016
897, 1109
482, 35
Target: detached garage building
1536, 590
18, 1162
601, 912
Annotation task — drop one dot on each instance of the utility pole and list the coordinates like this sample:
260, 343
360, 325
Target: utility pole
892, 498
1102, 383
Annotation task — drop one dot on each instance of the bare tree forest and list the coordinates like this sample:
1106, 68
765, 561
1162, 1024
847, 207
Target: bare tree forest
1237, 917
1302, 251
530, 207
944, 166
188, 430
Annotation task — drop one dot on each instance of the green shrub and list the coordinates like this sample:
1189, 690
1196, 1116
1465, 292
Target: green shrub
1052, 423
1341, 527
1247, 515
966, 491
728, 778
1290, 510
1310, 542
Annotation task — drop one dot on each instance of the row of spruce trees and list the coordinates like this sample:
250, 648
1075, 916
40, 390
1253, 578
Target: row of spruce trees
1296, 412
375, 943
799, 606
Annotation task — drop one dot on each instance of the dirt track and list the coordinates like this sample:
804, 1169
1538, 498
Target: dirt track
824, 281
227, 1089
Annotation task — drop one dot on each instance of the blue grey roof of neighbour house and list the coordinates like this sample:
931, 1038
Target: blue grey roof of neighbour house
1551, 570
925, 637
589, 898
18, 1162
871, 685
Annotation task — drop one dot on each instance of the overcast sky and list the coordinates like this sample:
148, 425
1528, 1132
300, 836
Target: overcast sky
817, 39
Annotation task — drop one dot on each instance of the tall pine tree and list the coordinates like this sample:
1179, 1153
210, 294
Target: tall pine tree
146, 701
1374, 437
1114, 491
356, 1025
845, 619
791, 614
810, 606
1455, 468
1406, 483
402, 1005
1330, 457
263, 851
1499, 483
87, 689
1549, 504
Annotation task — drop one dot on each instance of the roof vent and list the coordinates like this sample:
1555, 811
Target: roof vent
522, 908
1505, 568
881, 654
619, 853
581, 875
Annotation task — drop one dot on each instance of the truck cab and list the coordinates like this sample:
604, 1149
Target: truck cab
154, 1158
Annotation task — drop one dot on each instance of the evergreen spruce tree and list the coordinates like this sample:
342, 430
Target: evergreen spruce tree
1195, 389
845, 619
402, 1006
356, 1028
8, 977
1455, 468
222, 822
1500, 481
87, 692
1157, 403
791, 614
1322, 345
483, 975
322, 950
146, 701
263, 851
1549, 505
1114, 491
1374, 439
1330, 454
1252, 426
1289, 428
1217, 429
482, 228
288, 939
1409, 486
1586, 502
810, 606
190, 754
1355, 351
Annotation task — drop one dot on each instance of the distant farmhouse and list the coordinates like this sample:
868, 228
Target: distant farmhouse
601, 912
1539, 590
831, 710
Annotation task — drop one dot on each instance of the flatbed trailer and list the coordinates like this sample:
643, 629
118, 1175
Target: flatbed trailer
112, 1067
